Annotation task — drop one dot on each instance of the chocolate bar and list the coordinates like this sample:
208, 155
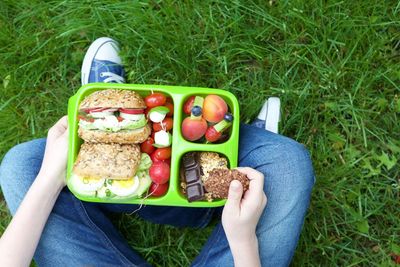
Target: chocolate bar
192, 170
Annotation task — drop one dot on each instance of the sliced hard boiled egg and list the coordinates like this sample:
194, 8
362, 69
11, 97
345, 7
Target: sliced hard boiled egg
123, 188
132, 117
104, 192
103, 113
85, 185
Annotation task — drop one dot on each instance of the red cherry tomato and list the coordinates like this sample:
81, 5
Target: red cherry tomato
168, 161
212, 135
158, 190
153, 157
187, 107
170, 106
166, 125
131, 110
147, 146
169, 100
159, 172
162, 153
155, 100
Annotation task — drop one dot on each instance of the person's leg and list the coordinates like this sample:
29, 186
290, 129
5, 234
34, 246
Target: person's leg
77, 233
289, 179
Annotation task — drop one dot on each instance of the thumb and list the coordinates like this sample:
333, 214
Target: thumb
234, 196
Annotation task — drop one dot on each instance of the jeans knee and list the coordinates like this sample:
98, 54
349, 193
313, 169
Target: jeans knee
286, 158
295, 158
20, 165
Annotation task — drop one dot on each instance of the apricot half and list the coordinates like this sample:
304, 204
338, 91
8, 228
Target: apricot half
193, 129
214, 108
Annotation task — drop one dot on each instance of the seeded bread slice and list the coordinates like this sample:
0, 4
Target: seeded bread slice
112, 98
112, 161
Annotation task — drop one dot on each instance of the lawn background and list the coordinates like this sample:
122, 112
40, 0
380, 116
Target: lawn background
335, 66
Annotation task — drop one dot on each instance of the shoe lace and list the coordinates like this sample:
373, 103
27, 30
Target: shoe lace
112, 77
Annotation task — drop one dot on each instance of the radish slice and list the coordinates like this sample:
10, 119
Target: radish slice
111, 109
88, 110
131, 110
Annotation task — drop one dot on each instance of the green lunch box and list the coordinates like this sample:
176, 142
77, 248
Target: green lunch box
179, 94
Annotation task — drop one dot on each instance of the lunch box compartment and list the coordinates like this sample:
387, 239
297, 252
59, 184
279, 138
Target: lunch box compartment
181, 193
228, 100
180, 146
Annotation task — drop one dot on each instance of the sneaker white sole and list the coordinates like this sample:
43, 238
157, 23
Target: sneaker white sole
89, 56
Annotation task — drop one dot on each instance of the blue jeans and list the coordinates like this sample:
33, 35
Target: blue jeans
79, 233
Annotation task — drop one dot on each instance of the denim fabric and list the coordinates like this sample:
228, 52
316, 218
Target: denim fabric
80, 233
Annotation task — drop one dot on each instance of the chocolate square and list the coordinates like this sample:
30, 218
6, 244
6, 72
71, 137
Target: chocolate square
192, 176
195, 192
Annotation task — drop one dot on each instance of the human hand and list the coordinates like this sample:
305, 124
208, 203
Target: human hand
55, 156
240, 215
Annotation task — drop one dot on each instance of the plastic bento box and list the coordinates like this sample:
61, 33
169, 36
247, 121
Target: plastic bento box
180, 146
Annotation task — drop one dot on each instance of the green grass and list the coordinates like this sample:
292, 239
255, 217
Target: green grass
335, 66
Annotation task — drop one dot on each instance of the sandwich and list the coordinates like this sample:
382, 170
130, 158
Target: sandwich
110, 171
113, 116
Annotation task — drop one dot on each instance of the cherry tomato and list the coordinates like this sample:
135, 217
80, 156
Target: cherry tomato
159, 172
166, 123
147, 146
119, 118
169, 100
162, 153
155, 100
158, 190
153, 158
168, 161
187, 107
170, 106
212, 135
131, 110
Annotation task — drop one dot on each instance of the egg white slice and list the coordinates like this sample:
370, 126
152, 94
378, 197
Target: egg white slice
104, 192
131, 117
85, 185
101, 114
123, 188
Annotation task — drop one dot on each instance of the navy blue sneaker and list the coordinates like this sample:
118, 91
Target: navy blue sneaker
102, 63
